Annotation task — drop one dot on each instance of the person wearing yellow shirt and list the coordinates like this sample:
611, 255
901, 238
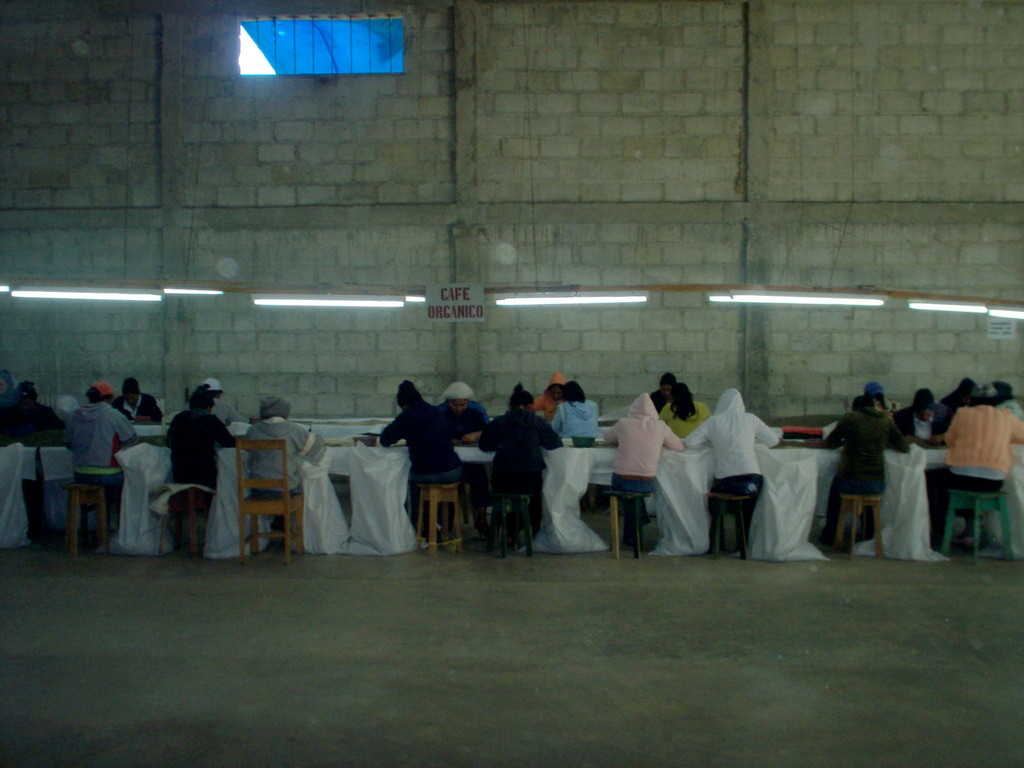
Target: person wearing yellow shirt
683, 414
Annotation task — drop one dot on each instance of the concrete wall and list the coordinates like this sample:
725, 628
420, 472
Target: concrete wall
818, 142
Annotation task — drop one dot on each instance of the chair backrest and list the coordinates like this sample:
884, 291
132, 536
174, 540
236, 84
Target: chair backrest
244, 482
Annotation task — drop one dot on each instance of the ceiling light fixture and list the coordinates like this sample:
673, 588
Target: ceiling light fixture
325, 301
799, 298
949, 306
1016, 314
95, 295
589, 297
194, 291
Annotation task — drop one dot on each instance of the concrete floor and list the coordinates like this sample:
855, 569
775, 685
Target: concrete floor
468, 660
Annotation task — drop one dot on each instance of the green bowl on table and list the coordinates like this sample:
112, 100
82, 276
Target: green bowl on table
579, 441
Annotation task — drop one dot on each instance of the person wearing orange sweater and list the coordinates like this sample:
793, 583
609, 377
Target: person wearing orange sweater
546, 404
979, 456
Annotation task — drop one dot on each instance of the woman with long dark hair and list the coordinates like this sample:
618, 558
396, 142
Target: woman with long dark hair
682, 413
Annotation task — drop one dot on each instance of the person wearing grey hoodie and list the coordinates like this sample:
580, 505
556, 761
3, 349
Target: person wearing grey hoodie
302, 444
94, 434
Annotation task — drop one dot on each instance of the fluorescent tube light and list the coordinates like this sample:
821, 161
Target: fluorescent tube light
300, 300
99, 295
194, 291
948, 306
415, 299
1016, 314
799, 298
546, 299
4, 288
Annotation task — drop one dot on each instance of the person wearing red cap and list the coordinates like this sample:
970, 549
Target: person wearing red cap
94, 434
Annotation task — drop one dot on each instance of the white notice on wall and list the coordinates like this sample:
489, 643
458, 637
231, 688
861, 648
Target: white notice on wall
456, 302
1002, 328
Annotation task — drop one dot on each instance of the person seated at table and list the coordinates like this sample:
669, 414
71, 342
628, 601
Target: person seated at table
999, 394
94, 434
863, 433
640, 437
8, 392
136, 405
221, 409
426, 433
924, 421
516, 439
682, 413
546, 403
27, 415
663, 394
979, 457
732, 433
302, 445
575, 415
960, 396
876, 392
193, 437
466, 419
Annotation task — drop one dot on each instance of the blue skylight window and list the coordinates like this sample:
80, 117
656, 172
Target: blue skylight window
321, 46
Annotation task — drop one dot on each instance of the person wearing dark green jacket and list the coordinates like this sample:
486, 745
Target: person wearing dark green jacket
864, 433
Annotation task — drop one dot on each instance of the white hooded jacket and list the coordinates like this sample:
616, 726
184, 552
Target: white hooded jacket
732, 433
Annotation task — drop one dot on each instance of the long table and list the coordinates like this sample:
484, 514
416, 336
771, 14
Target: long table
796, 486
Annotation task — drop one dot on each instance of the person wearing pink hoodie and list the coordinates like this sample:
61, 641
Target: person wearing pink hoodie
640, 437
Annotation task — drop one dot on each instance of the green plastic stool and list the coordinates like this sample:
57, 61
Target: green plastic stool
505, 504
720, 505
980, 502
630, 502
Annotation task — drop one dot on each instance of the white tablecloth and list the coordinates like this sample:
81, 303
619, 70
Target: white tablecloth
13, 517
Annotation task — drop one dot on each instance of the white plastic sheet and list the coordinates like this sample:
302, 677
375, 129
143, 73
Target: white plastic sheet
380, 482
145, 467
58, 470
325, 530
13, 517
683, 479
222, 524
565, 481
784, 514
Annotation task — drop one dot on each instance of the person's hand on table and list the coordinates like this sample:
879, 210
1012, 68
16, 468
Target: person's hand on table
471, 438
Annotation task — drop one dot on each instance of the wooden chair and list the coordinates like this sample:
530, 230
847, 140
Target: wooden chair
433, 496
854, 505
187, 505
720, 505
81, 494
251, 508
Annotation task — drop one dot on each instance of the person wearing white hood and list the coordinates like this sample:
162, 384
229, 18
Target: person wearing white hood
732, 433
640, 437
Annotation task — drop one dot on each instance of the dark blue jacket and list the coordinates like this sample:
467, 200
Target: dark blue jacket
426, 433
518, 437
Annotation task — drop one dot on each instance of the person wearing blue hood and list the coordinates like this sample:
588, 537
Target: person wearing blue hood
516, 438
8, 392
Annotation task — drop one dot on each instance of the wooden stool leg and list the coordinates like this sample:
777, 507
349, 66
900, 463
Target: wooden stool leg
844, 512
71, 525
716, 527
638, 530
101, 520
1007, 534
613, 514
741, 530
527, 529
503, 530
876, 510
978, 512
432, 523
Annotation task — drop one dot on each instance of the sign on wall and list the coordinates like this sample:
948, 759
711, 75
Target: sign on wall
456, 302
1002, 328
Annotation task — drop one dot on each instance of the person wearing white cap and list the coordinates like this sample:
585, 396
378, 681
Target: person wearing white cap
222, 410
466, 419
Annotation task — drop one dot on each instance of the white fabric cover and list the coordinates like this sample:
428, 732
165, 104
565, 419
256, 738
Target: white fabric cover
905, 536
325, 530
58, 470
145, 468
565, 481
13, 517
784, 514
683, 480
222, 523
380, 483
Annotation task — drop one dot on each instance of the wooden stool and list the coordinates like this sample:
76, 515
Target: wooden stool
979, 501
434, 496
853, 505
80, 494
503, 505
720, 505
190, 502
629, 500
